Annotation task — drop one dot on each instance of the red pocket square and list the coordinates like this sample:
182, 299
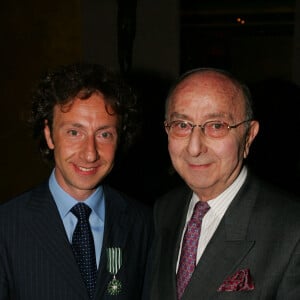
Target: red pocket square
239, 281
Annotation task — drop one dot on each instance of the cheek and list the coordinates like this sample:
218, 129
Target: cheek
107, 151
65, 148
229, 150
174, 147
63, 151
226, 150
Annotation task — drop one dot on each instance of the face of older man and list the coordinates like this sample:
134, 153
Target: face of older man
208, 159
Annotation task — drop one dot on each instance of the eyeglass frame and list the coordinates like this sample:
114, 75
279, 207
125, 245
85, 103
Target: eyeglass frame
203, 126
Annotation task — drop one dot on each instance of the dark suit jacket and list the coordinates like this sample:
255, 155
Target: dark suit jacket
260, 231
36, 259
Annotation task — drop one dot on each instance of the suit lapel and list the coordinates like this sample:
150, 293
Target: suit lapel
45, 223
115, 235
227, 247
170, 238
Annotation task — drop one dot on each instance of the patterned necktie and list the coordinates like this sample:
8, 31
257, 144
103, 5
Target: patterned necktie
189, 247
83, 246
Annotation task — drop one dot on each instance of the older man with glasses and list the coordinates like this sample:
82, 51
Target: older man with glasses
224, 234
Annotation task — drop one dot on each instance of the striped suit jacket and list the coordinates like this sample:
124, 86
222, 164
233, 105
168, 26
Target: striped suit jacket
36, 259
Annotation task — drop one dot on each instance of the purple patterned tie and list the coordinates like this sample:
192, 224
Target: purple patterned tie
189, 247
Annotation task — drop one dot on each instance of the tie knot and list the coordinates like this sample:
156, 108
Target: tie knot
81, 211
200, 209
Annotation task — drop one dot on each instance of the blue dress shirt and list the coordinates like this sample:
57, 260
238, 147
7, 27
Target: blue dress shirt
65, 202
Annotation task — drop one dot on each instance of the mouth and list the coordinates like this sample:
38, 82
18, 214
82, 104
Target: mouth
86, 169
199, 166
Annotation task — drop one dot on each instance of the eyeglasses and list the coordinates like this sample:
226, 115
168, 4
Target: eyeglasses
212, 129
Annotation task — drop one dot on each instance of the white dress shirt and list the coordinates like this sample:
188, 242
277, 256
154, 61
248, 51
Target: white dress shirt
213, 217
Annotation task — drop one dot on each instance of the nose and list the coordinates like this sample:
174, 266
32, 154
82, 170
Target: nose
90, 151
196, 144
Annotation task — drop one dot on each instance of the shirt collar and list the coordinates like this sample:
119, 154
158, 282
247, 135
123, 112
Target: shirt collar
65, 202
221, 202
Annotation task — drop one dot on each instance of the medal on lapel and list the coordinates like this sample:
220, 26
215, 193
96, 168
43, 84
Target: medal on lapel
114, 262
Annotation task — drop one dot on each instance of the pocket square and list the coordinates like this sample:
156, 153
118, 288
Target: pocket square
239, 281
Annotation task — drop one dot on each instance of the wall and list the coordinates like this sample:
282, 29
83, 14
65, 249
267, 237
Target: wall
37, 35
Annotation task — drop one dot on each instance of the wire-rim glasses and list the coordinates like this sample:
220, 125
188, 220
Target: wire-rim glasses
212, 129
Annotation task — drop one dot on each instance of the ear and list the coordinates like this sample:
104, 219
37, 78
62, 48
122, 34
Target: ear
252, 132
48, 137
165, 125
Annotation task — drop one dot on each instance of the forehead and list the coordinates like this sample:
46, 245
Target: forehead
207, 94
93, 109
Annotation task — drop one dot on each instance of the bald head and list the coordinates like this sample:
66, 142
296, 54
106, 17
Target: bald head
207, 80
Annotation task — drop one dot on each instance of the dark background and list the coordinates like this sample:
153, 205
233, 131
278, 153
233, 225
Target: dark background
152, 42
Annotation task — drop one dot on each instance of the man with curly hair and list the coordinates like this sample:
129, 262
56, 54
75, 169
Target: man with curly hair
82, 115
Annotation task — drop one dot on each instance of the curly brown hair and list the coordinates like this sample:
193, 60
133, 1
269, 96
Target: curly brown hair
80, 80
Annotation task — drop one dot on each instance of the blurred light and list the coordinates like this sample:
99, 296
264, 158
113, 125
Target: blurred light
240, 20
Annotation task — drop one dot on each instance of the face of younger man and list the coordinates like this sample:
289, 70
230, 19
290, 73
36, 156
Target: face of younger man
84, 140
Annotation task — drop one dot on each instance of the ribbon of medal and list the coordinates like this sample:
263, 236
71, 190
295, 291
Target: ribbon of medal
114, 262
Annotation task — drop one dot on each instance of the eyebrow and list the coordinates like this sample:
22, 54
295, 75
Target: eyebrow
208, 116
178, 115
79, 125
